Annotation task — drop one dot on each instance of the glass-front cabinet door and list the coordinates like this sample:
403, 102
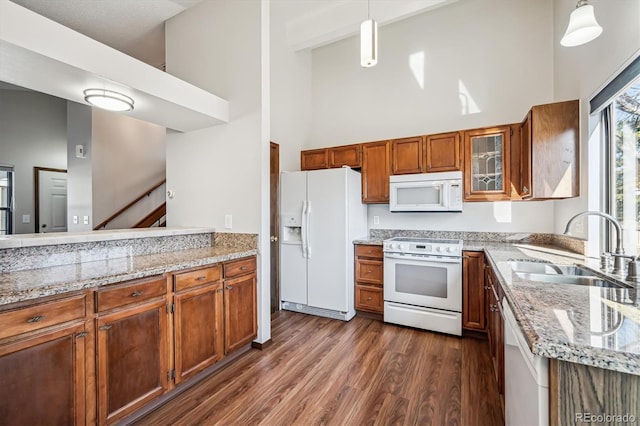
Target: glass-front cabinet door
487, 162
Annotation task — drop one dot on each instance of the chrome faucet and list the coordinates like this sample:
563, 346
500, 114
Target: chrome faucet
618, 264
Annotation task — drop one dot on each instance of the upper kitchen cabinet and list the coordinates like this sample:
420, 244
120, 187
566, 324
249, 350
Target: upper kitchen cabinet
442, 152
487, 164
314, 159
375, 172
348, 155
406, 155
549, 157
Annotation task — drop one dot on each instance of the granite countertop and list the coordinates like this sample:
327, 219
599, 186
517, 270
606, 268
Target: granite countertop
33, 283
368, 241
594, 326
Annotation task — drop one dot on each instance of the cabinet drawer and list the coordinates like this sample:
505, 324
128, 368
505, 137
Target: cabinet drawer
369, 271
369, 299
239, 267
42, 315
128, 293
194, 278
369, 251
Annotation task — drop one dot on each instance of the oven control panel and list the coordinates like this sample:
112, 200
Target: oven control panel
423, 246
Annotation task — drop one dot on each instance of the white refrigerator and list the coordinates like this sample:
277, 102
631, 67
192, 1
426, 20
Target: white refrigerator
321, 213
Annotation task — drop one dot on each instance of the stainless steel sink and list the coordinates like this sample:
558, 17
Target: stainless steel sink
559, 274
549, 268
591, 281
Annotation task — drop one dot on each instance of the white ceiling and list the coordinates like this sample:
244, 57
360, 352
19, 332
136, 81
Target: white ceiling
136, 27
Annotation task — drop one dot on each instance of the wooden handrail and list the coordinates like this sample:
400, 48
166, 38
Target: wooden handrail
125, 208
152, 217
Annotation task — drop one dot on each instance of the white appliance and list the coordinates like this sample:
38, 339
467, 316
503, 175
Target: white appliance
423, 283
426, 192
526, 377
321, 214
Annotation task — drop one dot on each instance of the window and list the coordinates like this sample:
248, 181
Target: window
6, 200
622, 119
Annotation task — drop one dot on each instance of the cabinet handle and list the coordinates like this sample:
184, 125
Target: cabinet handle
37, 318
486, 287
105, 327
369, 252
243, 268
229, 287
369, 271
136, 294
525, 190
369, 298
82, 334
201, 278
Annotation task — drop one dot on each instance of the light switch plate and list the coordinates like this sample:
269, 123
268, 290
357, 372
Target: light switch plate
228, 221
26, 218
376, 220
75, 220
85, 220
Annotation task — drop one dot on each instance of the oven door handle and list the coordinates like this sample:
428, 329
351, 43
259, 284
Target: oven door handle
424, 259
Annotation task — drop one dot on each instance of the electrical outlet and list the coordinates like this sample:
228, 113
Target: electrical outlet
26, 218
376, 220
228, 221
85, 220
75, 220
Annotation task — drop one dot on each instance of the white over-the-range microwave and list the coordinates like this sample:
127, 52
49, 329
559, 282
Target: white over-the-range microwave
426, 192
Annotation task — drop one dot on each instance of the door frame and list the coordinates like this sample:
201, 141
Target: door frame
274, 231
36, 193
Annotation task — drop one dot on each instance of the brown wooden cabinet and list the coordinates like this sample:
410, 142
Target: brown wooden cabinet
487, 164
375, 172
132, 365
474, 316
43, 363
240, 303
406, 155
369, 276
347, 155
314, 159
549, 156
198, 321
495, 327
442, 152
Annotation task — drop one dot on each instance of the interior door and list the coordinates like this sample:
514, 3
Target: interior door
274, 188
51, 193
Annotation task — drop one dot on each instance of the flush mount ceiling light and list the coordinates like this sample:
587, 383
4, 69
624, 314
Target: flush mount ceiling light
583, 26
108, 99
368, 41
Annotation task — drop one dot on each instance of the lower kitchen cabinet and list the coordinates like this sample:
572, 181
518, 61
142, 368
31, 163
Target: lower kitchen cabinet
132, 363
198, 329
474, 315
495, 329
369, 278
43, 349
240, 304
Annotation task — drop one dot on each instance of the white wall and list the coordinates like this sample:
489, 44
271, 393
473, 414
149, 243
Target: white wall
470, 64
223, 170
290, 90
33, 133
580, 72
128, 158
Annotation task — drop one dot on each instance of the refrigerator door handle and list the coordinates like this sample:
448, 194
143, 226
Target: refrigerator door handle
303, 233
308, 217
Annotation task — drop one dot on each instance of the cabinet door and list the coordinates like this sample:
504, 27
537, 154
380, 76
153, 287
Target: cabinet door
43, 379
198, 325
132, 359
240, 312
442, 152
487, 164
348, 155
406, 156
525, 158
375, 172
473, 294
313, 159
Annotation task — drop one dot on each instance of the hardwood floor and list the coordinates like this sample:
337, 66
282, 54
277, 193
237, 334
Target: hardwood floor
323, 371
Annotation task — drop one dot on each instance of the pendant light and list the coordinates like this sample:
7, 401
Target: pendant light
583, 26
368, 41
108, 99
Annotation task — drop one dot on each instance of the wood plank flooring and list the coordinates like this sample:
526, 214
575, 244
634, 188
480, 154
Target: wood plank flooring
323, 371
